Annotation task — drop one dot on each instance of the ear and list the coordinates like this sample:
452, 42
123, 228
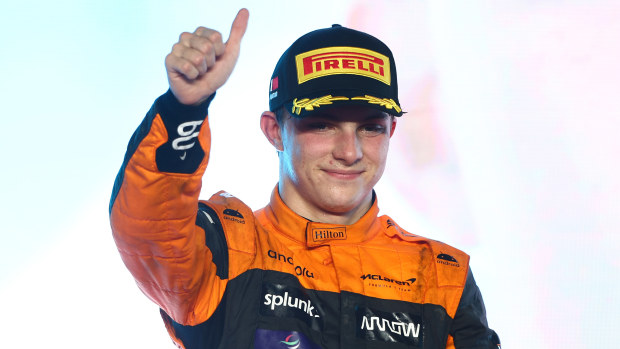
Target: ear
271, 129
393, 126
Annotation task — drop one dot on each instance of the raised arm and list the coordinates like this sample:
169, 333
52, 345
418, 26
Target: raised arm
154, 204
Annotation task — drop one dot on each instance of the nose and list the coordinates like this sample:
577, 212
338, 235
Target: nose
348, 148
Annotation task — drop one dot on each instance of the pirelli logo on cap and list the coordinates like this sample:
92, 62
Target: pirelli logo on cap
342, 60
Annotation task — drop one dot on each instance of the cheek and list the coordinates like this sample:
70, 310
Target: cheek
300, 156
308, 148
377, 151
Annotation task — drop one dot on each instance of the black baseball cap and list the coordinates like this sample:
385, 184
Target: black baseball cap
333, 67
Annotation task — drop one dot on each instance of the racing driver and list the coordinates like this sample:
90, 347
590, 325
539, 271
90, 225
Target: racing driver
317, 267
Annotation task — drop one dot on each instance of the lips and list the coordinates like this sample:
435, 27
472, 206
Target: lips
343, 174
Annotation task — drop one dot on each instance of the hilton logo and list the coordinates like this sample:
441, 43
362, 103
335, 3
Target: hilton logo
342, 60
320, 234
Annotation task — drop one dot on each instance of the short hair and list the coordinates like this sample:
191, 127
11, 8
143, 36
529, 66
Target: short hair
281, 114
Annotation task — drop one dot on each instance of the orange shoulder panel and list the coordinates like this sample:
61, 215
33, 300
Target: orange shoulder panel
450, 266
153, 222
239, 226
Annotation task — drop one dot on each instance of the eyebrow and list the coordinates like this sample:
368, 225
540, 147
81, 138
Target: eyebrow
373, 115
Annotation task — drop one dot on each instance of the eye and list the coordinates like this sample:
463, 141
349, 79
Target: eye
373, 129
318, 126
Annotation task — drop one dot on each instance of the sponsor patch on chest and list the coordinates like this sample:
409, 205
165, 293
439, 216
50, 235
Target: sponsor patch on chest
285, 301
324, 234
270, 339
397, 327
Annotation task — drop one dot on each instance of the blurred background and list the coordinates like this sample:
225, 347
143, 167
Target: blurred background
507, 152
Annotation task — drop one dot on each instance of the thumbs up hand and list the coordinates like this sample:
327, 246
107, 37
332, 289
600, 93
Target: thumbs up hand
200, 62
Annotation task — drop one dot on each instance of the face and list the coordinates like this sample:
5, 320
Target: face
330, 162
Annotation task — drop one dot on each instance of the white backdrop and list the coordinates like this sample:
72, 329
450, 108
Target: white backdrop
508, 151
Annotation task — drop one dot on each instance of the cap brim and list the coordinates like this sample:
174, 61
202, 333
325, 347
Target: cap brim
302, 107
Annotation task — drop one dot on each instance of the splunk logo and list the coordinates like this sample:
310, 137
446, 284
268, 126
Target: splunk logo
382, 326
284, 301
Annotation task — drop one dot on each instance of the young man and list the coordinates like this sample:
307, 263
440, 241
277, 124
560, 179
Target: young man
315, 268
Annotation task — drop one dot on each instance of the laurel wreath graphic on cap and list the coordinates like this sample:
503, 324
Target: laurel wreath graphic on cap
384, 102
309, 104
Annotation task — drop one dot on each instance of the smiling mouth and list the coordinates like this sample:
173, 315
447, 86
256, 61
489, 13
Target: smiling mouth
343, 174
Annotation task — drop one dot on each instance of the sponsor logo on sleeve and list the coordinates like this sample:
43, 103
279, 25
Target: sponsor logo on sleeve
284, 301
187, 132
446, 259
342, 60
233, 215
376, 325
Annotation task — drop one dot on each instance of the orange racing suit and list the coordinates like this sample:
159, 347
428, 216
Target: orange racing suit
227, 277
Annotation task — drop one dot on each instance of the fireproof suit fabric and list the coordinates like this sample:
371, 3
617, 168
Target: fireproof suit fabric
227, 277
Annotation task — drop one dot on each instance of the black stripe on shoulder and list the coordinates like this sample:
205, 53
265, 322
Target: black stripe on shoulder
470, 328
205, 335
215, 239
173, 114
137, 137
182, 152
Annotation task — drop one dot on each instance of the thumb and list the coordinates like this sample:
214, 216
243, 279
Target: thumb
238, 28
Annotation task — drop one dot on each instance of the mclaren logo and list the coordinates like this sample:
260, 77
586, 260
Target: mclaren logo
342, 60
378, 277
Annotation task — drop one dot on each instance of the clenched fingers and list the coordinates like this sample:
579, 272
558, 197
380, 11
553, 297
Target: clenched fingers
184, 66
206, 39
196, 52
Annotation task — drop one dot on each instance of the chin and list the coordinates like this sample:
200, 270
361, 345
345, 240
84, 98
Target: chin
342, 202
